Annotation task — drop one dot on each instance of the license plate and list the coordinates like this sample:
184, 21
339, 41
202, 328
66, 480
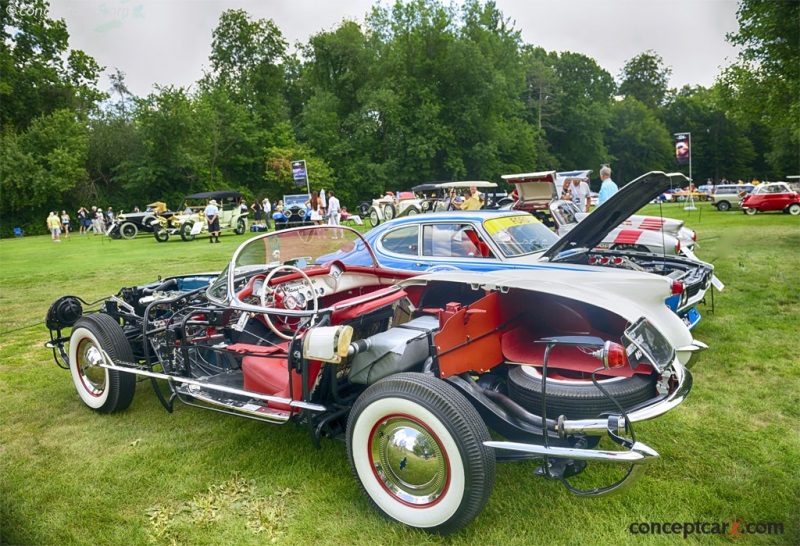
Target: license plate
691, 317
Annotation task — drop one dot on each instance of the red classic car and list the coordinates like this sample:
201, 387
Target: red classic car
773, 196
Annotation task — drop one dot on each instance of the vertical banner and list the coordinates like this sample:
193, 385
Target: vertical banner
299, 173
682, 151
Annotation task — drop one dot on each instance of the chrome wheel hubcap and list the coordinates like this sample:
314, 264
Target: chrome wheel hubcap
409, 461
93, 376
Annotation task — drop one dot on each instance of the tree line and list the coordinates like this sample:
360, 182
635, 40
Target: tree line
420, 92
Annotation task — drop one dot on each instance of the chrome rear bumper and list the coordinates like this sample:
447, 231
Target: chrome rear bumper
637, 454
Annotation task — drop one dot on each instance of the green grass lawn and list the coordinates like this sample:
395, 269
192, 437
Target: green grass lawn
144, 476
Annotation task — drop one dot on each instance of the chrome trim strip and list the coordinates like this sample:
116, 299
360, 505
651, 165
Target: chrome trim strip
230, 390
638, 454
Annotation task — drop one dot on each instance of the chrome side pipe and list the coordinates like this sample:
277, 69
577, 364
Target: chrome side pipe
109, 365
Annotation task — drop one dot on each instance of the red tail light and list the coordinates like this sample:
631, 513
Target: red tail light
592, 260
612, 355
618, 261
604, 260
677, 247
676, 288
694, 236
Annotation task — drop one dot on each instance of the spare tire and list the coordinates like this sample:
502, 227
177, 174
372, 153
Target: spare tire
577, 398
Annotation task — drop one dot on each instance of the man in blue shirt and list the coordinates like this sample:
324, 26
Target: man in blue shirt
607, 188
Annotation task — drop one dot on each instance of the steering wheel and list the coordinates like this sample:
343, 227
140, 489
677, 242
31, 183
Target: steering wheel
272, 297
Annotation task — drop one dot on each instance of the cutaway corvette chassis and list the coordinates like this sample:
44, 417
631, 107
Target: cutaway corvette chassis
413, 374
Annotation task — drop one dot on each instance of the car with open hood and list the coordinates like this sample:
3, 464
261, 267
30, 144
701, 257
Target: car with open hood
489, 240
539, 195
189, 221
430, 379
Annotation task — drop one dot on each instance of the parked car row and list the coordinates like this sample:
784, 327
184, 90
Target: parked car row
188, 222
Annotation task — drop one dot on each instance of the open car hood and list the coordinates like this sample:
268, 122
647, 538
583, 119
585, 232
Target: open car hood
590, 232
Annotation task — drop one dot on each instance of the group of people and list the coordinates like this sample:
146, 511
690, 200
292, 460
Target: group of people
89, 221
262, 211
329, 209
95, 220
577, 190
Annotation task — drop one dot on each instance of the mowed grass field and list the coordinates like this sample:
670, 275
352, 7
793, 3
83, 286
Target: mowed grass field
730, 453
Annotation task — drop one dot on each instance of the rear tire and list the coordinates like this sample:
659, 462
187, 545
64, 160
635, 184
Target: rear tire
794, 209
103, 390
128, 230
389, 211
750, 211
241, 226
412, 210
577, 399
417, 449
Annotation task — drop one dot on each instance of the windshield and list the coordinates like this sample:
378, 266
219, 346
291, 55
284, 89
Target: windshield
519, 235
295, 200
304, 248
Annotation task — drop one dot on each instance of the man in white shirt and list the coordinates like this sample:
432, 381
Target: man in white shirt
267, 206
211, 213
580, 194
334, 214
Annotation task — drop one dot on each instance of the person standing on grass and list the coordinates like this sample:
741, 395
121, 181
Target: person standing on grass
65, 223
83, 220
258, 212
212, 217
608, 187
334, 214
267, 206
54, 225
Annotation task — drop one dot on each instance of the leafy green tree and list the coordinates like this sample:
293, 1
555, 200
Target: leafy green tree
646, 79
721, 145
637, 140
39, 167
578, 129
765, 82
39, 74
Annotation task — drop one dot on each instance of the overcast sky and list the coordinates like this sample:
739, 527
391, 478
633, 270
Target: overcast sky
169, 41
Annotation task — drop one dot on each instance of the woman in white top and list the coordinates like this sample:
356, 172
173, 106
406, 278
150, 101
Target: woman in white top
315, 205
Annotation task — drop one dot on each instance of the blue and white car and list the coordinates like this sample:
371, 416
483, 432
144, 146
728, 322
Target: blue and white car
489, 240
294, 213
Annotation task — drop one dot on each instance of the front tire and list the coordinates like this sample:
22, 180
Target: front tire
161, 234
186, 232
103, 390
750, 211
794, 209
723, 206
417, 448
128, 230
374, 218
241, 226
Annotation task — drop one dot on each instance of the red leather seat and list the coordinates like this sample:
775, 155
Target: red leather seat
271, 376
